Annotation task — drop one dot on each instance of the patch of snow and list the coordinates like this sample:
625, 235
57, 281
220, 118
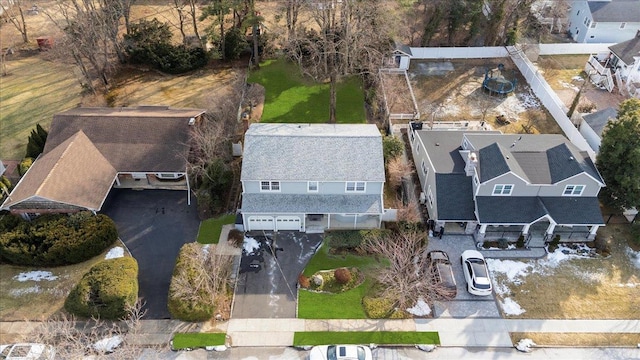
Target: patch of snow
205, 249
216, 348
426, 348
107, 345
30, 290
250, 245
116, 252
569, 86
529, 100
37, 275
577, 78
514, 270
511, 307
420, 309
525, 345
629, 285
634, 256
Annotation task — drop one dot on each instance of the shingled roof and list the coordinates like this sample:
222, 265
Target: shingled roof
615, 10
73, 173
627, 50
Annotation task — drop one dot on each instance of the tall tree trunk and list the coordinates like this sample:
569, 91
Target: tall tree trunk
25, 36
332, 97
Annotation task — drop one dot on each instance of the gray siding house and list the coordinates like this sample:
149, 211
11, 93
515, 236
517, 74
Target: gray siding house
312, 177
495, 185
605, 21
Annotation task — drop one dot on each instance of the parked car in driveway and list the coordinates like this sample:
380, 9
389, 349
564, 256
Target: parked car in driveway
476, 273
442, 272
340, 352
27, 351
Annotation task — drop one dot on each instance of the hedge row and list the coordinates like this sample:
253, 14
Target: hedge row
107, 291
351, 239
199, 305
54, 240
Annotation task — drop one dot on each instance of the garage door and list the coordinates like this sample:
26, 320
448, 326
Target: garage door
261, 223
288, 223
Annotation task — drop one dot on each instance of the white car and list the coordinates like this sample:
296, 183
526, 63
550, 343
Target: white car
27, 351
340, 352
476, 273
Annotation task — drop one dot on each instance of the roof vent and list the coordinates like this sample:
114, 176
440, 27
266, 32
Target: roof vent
571, 158
437, 144
192, 121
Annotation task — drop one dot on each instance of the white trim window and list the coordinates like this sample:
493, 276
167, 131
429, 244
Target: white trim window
573, 190
272, 186
430, 197
425, 169
355, 186
312, 186
623, 25
502, 189
593, 25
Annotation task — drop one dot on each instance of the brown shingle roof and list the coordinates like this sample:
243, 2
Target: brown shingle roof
73, 173
144, 139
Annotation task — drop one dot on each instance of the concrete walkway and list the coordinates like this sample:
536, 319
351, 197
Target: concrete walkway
476, 332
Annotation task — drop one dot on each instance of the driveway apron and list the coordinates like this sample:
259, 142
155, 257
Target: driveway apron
154, 224
266, 285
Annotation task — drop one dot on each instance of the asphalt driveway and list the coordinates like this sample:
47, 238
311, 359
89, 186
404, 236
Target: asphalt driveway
266, 285
154, 224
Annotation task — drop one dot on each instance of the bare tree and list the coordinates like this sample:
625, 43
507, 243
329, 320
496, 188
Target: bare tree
74, 339
397, 169
292, 11
14, 13
408, 276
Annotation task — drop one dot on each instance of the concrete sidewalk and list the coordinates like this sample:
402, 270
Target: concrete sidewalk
470, 332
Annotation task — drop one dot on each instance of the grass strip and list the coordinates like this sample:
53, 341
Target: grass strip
345, 305
197, 340
308, 338
210, 229
578, 339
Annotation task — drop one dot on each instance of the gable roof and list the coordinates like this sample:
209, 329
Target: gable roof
599, 119
615, 10
539, 159
443, 147
74, 173
626, 50
145, 138
313, 152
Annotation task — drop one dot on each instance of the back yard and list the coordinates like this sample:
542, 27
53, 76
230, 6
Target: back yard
290, 98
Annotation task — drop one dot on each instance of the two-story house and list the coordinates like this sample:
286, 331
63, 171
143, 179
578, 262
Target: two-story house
604, 21
312, 177
505, 185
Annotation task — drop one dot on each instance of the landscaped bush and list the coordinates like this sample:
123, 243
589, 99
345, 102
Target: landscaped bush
24, 165
378, 307
107, 291
342, 275
235, 238
520, 242
303, 281
635, 233
553, 245
54, 240
503, 243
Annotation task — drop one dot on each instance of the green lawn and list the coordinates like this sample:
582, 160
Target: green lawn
346, 305
32, 93
366, 337
197, 340
210, 229
290, 98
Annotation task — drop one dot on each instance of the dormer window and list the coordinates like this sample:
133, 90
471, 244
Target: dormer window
573, 190
502, 189
355, 186
269, 185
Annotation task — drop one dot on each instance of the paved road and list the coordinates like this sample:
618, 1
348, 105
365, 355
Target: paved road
271, 291
154, 224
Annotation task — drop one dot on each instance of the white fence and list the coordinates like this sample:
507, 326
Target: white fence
572, 49
458, 52
549, 99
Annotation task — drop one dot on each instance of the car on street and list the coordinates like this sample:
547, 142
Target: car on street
27, 351
476, 273
442, 272
340, 352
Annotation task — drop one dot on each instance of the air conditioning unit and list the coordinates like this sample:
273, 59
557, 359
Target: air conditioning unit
423, 198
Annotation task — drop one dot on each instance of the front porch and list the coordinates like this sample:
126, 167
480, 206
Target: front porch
150, 181
322, 222
540, 232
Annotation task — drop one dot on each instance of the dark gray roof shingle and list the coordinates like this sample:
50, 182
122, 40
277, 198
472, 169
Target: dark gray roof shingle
574, 210
626, 50
615, 10
509, 209
455, 197
492, 162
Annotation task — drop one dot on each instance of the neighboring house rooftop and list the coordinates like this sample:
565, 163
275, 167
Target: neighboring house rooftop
316, 152
599, 119
538, 159
145, 138
74, 173
629, 49
615, 10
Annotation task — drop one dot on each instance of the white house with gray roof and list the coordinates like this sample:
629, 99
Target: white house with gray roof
504, 185
609, 21
312, 177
